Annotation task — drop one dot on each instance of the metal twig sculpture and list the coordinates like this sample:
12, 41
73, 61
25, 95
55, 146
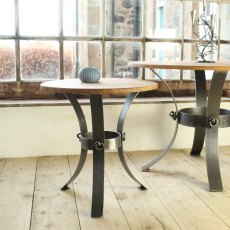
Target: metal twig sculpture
204, 30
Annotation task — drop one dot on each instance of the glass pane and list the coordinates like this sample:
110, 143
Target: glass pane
225, 21
156, 51
80, 54
38, 17
224, 52
7, 22
163, 18
39, 60
189, 54
225, 55
118, 54
7, 60
123, 18
81, 17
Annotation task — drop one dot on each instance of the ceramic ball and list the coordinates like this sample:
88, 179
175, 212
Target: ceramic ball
89, 74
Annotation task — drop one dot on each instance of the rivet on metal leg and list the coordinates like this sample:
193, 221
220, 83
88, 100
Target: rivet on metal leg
212, 122
173, 115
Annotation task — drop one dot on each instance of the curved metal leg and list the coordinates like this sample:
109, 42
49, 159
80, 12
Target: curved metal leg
199, 133
124, 164
212, 114
120, 126
98, 155
78, 169
83, 128
146, 167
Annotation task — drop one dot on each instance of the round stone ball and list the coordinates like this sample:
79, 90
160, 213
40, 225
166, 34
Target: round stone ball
89, 74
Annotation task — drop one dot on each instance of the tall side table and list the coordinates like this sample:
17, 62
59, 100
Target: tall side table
206, 117
99, 140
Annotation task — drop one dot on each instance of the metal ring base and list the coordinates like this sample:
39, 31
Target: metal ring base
196, 117
112, 140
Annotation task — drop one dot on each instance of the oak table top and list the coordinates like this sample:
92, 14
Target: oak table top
104, 86
183, 65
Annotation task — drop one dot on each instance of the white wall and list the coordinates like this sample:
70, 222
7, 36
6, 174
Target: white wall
51, 130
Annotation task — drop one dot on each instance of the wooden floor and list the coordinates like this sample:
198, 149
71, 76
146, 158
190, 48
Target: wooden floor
177, 195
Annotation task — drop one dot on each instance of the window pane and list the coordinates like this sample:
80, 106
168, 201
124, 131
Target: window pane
224, 52
225, 21
7, 60
225, 55
163, 18
39, 60
80, 54
38, 17
156, 51
123, 18
189, 54
118, 54
7, 15
82, 17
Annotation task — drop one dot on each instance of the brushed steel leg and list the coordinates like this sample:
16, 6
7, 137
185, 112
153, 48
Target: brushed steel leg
98, 155
146, 167
201, 96
77, 170
120, 126
212, 114
83, 128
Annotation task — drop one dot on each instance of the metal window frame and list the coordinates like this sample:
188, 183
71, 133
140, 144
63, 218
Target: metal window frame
103, 38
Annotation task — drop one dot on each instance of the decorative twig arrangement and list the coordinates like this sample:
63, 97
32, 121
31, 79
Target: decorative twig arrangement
204, 30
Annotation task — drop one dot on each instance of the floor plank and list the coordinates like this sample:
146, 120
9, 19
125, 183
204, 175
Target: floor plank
142, 209
196, 179
53, 208
189, 211
177, 195
16, 192
113, 217
2, 164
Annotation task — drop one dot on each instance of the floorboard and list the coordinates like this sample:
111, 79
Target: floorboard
113, 216
177, 195
142, 209
2, 164
53, 208
16, 193
168, 180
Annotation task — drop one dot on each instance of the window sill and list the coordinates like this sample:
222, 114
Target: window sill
107, 101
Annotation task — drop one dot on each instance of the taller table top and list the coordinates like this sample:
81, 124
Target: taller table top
104, 86
182, 65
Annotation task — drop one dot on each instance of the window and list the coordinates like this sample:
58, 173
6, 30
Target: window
52, 39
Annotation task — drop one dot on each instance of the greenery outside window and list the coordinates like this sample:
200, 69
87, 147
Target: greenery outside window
52, 39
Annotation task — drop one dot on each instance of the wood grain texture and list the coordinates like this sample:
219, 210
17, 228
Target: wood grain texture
179, 187
16, 192
177, 195
112, 218
104, 86
53, 208
182, 65
226, 93
2, 164
142, 209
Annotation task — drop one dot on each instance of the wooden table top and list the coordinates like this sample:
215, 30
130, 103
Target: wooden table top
104, 86
182, 65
